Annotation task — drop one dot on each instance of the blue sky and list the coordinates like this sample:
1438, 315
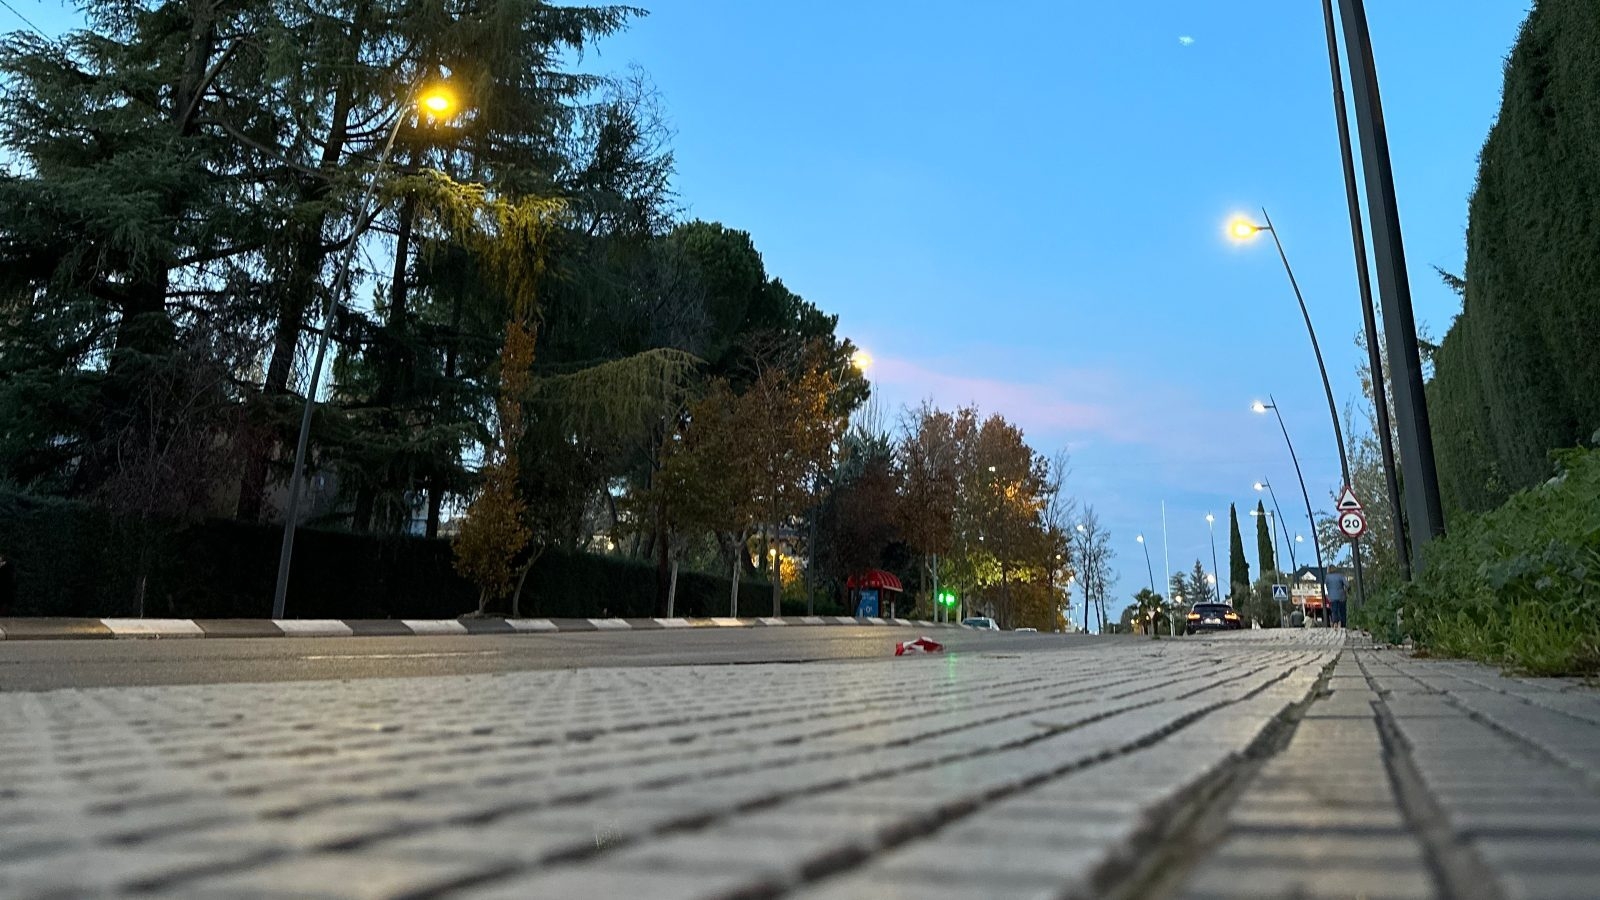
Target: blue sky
1022, 206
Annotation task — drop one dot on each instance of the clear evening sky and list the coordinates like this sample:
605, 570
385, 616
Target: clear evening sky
1022, 205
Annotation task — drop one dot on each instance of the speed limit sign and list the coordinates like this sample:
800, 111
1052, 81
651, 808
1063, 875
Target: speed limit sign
1353, 523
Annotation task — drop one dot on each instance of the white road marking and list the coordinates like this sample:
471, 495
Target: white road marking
154, 628
434, 626
313, 627
403, 655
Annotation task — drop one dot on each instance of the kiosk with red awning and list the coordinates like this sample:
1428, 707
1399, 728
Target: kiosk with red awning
869, 587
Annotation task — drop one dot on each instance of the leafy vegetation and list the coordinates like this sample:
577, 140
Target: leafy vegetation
1518, 586
1517, 375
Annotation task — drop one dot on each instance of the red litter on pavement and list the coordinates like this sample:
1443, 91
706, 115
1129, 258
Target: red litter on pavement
920, 645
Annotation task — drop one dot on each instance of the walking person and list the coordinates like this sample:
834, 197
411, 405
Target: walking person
1338, 589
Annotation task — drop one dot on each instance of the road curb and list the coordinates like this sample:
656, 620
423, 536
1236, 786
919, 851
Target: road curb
148, 629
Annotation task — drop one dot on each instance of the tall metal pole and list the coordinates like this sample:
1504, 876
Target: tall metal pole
1315, 544
1424, 510
280, 591
1327, 387
1274, 495
1216, 578
1166, 562
1147, 567
1380, 395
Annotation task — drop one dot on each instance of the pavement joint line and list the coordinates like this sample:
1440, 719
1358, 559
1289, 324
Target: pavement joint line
157, 629
1081, 763
1163, 851
944, 816
1592, 779
1457, 869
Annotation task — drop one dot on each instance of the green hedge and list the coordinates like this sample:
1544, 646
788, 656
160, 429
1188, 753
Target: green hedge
1518, 586
73, 559
1517, 375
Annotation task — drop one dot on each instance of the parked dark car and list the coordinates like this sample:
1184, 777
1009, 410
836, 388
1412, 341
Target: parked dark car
1212, 617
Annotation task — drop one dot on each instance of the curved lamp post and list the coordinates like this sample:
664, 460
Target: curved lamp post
436, 102
1211, 523
1278, 523
1243, 229
1260, 407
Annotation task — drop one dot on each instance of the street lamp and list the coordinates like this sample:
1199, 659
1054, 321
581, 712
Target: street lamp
1085, 532
1380, 398
1265, 485
1149, 569
1260, 407
1247, 230
438, 102
1410, 400
1211, 523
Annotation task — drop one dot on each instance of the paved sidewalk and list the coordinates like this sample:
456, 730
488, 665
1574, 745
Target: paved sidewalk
1265, 763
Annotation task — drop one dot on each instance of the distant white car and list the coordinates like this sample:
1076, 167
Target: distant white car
1033, 630
982, 623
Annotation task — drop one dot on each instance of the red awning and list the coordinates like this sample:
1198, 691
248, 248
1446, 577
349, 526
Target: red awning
875, 578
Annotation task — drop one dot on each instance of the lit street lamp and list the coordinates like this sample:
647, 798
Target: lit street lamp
1260, 407
1147, 566
1244, 230
1265, 485
437, 102
1211, 523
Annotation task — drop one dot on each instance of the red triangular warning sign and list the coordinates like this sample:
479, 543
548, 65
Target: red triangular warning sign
1348, 501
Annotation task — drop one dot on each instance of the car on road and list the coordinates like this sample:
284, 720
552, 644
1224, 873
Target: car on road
1029, 630
982, 623
1212, 617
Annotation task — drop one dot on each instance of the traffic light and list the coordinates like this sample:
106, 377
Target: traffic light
947, 599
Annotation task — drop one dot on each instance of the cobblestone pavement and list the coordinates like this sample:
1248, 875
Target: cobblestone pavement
1265, 763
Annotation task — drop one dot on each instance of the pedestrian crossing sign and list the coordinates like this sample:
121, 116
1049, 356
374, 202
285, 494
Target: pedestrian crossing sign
1280, 592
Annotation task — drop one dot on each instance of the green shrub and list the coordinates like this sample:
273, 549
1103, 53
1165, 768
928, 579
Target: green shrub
1518, 586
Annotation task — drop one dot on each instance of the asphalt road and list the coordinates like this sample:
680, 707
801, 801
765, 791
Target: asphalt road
51, 665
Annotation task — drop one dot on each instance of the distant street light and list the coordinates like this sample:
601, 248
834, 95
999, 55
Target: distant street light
1260, 407
1211, 523
861, 360
1246, 230
1278, 522
1147, 566
438, 102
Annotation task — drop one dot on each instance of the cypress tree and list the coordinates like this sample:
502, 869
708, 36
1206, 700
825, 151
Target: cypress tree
1265, 556
1238, 566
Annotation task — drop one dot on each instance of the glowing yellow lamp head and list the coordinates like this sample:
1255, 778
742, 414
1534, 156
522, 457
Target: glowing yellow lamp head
861, 359
438, 102
1243, 229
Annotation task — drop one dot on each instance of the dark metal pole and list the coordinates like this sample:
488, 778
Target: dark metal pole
1327, 387
1149, 569
1423, 507
280, 590
1216, 577
1315, 544
1380, 394
1281, 524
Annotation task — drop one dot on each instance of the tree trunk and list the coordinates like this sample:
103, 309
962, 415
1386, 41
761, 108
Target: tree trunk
733, 601
775, 572
672, 589
516, 598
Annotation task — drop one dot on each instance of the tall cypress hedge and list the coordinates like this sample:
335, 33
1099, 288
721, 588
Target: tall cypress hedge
1519, 372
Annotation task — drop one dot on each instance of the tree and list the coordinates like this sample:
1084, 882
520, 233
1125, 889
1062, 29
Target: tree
1238, 566
928, 455
1193, 587
1266, 556
1092, 554
1148, 611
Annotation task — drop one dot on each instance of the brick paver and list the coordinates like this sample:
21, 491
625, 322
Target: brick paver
1268, 763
